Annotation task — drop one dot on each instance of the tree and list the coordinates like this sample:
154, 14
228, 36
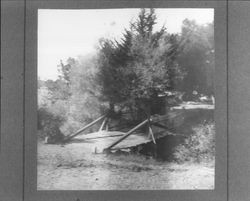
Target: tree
197, 57
74, 96
140, 67
59, 89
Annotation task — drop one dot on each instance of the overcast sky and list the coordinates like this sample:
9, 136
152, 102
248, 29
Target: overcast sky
69, 33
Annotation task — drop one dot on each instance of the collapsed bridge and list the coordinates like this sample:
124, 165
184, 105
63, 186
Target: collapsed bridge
106, 141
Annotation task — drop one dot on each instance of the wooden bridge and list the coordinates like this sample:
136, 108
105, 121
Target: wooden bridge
105, 141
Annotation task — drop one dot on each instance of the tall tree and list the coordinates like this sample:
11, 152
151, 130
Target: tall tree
142, 66
197, 57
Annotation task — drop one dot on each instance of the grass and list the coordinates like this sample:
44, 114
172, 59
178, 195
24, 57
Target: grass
199, 146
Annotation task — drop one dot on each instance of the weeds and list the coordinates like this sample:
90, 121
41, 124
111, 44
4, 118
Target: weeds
199, 146
49, 124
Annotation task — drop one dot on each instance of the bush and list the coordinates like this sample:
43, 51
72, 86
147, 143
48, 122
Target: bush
49, 124
199, 146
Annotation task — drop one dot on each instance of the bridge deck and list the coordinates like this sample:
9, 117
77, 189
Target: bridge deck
102, 139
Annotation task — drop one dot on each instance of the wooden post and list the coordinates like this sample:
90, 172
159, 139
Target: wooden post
107, 125
103, 124
152, 134
127, 134
84, 128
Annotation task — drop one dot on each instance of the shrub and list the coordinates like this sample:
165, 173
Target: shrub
199, 146
49, 124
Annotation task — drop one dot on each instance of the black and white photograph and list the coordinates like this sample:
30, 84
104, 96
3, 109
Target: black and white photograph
125, 99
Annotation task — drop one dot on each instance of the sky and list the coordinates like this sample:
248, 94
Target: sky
71, 33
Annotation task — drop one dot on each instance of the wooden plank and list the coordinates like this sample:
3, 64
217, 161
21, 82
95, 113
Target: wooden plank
103, 134
193, 105
101, 140
127, 134
136, 139
133, 140
84, 128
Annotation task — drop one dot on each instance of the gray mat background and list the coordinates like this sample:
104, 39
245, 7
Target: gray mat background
18, 92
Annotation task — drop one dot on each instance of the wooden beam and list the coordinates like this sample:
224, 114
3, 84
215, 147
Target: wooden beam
127, 134
103, 124
152, 134
67, 138
118, 135
107, 125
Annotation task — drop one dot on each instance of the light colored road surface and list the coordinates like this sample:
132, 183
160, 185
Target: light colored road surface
75, 166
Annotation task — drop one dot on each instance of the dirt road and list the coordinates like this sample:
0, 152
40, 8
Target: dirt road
75, 166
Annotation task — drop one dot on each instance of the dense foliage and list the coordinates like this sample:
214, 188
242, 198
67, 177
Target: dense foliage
199, 146
197, 57
73, 97
142, 66
132, 74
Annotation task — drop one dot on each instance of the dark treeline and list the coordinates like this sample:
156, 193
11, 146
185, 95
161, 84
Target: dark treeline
132, 75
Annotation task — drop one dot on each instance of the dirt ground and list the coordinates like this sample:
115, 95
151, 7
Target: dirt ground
76, 166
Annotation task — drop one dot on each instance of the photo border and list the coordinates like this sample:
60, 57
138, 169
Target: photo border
238, 100
12, 100
30, 116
